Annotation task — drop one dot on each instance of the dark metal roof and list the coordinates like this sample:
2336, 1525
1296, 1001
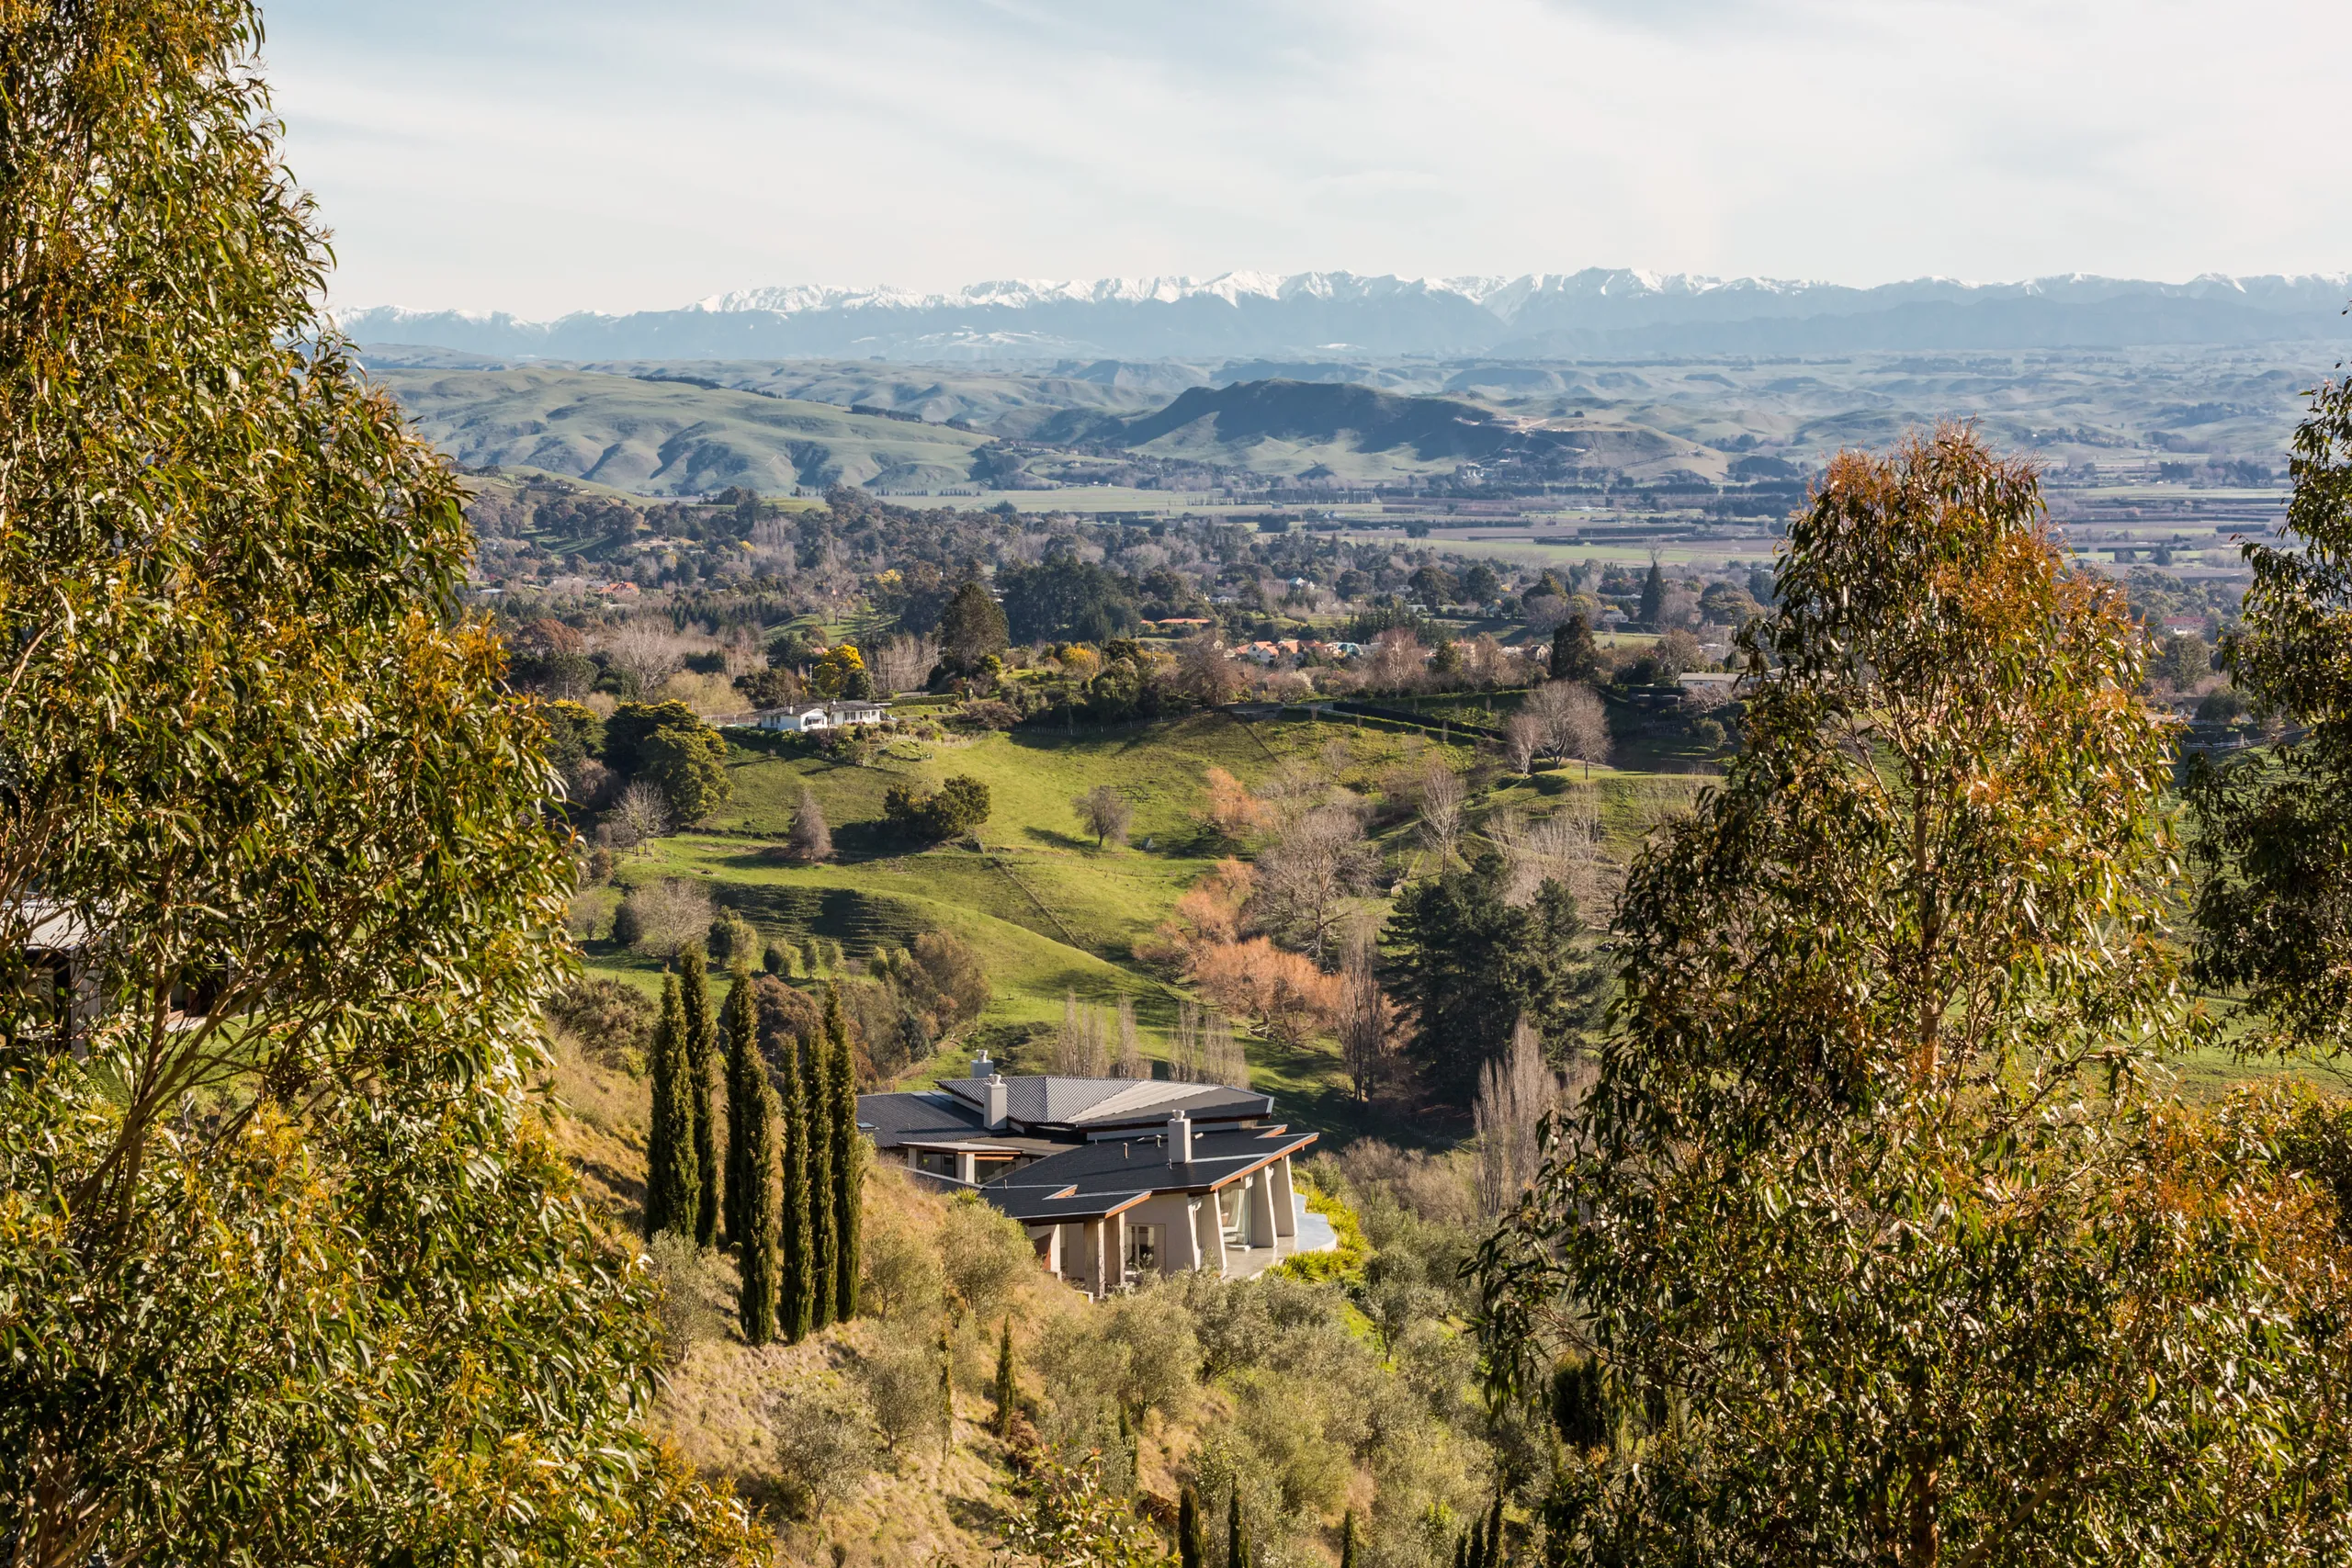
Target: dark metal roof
921, 1114
1050, 1099
1094, 1180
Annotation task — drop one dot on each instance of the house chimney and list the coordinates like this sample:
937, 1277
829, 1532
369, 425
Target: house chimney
998, 1111
1179, 1139
981, 1066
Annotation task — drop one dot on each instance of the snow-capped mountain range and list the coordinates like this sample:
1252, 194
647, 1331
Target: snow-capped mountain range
1596, 313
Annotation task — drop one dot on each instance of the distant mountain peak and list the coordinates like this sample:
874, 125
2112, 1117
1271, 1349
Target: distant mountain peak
1597, 312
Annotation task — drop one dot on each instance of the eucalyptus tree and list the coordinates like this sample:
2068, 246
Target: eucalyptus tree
292, 1274
2274, 846
1883, 1242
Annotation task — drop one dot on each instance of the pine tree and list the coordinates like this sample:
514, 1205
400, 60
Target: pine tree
1237, 1537
758, 1244
1004, 1382
745, 1073
848, 1166
702, 1045
669, 1180
1348, 1539
1653, 598
797, 1292
1191, 1536
818, 1141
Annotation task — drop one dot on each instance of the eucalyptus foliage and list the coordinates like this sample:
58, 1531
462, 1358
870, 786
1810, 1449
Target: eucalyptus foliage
1884, 1243
2274, 846
287, 1270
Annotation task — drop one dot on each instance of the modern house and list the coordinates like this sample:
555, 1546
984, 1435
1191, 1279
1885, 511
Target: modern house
1115, 1179
807, 719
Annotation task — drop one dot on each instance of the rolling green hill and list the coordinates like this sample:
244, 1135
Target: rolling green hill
671, 437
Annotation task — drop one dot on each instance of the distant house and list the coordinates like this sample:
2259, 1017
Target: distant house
1115, 1179
2183, 626
807, 719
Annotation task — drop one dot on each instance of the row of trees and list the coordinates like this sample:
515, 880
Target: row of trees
793, 1158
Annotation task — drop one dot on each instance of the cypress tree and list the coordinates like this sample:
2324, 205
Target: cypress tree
1004, 1381
1348, 1539
757, 1242
670, 1146
1492, 1555
702, 1044
820, 1144
1574, 655
740, 1027
947, 1392
1653, 598
1237, 1539
1192, 1539
848, 1166
797, 1292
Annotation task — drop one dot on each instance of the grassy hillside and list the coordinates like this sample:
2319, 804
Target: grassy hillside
670, 437
1049, 912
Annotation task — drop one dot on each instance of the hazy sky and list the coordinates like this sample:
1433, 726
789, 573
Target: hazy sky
540, 156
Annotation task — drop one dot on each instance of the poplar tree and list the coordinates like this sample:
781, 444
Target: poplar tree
848, 1166
796, 1292
756, 1310
702, 1050
745, 1073
823, 1237
670, 1181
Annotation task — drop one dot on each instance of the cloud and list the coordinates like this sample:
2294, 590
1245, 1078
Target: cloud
538, 157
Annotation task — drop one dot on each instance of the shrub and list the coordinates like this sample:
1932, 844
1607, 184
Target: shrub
823, 1440
902, 1381
934, 816
985, 1253
613, 1021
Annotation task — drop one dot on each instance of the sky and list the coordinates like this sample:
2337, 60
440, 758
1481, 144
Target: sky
545, 156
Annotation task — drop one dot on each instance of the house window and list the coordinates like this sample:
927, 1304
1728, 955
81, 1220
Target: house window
1143, 1249
933, 1161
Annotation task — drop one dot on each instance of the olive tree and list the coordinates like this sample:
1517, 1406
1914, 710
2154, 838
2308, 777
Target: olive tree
292, 1272
1883, 1245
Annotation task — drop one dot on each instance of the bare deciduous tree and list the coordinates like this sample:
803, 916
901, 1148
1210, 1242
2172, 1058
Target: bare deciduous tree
1522, 740
1515, 1091
1574, 723
1078, 1048
1565, 847
1369, 1023
1105, 813
663, 918
642, 812
644, 656
1203, 1050
1128, 1061
810, 841
1305, 881
1206, 673
1442, 803
901, 663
